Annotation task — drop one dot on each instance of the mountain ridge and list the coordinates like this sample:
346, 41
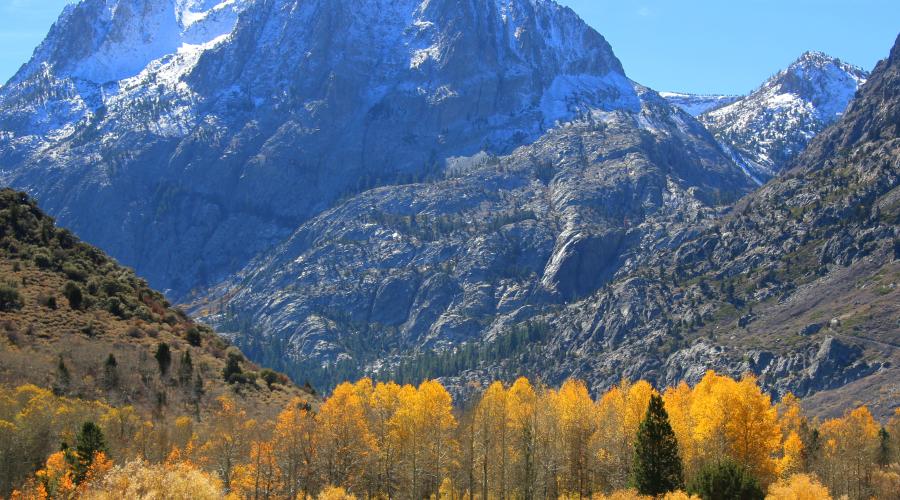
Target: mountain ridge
248, 139
769, 127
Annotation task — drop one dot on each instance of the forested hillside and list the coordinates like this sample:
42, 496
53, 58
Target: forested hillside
83, 338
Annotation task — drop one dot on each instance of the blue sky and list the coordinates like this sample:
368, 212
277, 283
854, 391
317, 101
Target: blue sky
704, 46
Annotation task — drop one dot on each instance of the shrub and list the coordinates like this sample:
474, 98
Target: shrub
10, 299
233, 372
48, 301
725, 480
798, 487
193, 337
335, 493
74, 272
271, 377
73, 293
139, 479
42, 259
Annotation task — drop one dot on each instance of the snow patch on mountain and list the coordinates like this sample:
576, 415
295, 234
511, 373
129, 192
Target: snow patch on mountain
697, 104
120, 38
773, 124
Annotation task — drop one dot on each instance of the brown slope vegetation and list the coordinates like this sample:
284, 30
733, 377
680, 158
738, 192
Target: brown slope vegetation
50, 338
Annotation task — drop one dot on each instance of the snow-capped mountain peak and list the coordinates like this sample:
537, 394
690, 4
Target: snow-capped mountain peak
769, 127
117, 39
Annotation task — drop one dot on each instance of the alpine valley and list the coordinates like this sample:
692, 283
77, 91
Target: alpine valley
471, 191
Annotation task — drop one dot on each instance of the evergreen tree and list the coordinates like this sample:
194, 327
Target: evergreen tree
164, 358
884, 447
657, 466
63, 378
185, 369
725, 480
88, 442
233, 372
111, 373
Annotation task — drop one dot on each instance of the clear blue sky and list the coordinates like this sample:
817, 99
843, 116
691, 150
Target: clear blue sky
707, 46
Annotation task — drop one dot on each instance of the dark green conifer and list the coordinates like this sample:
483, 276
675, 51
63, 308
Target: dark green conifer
657, 465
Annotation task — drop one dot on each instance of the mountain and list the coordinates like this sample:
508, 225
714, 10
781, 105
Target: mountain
797, 284
66, 310
697, 104
373, 169
610, 266
769, 127
212, 130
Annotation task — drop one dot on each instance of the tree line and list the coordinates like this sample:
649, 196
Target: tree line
722, 438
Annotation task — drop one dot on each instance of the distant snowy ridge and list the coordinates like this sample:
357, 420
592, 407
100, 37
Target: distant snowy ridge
697, 104
773, 124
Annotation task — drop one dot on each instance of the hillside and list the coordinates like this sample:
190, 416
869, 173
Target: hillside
74, 320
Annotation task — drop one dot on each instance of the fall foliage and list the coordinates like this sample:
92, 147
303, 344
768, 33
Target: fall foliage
385, 440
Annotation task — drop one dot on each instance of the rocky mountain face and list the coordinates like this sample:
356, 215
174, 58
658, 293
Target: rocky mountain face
697, 104
798, 284
768, 128
408, 269
209, 131
604, 266
416, 189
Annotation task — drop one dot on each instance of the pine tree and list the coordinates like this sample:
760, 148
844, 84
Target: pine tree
657, 465
164, 358
63, 378
110, 373
185, 369
884, 448
88, 442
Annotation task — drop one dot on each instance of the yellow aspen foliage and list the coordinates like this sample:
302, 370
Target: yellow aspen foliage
423, 426
295, 451
620, 411
100, 466
383, 404
120, 426
335, 493
790, 414
736, 419
56, 478
798, 487
578, 422
679, 495
792, 457
524, 429
851, 445
492, 441
679, 402
260, 476
229, 439
344, 442
893, 429
886, 482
